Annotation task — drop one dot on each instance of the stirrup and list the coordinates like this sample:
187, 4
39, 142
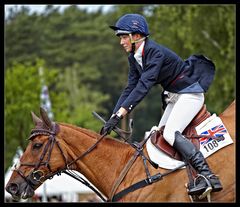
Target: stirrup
194, 197
206, 191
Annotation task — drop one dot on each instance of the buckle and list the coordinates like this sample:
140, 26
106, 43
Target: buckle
137, 146
154, 178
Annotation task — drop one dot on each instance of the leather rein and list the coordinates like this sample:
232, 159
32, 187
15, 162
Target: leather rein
36, 177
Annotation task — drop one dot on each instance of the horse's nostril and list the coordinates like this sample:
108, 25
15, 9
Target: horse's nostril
12, 188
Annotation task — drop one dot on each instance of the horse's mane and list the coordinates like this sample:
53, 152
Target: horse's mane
92, 133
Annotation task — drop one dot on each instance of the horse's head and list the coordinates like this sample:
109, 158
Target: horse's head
39, 161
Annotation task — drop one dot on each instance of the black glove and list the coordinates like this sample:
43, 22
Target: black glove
110, 124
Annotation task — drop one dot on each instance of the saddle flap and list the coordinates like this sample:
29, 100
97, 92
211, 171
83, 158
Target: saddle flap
159, 142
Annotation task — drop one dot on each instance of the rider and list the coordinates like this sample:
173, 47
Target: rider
184, 84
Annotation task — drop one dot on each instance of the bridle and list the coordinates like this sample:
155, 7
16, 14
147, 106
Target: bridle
36, 176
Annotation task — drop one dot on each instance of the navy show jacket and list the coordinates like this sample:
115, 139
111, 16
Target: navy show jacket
163, 66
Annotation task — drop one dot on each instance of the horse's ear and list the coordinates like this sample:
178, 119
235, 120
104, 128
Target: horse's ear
35, 119
45, 118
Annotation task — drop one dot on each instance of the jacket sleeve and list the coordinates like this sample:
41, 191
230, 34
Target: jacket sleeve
133, 76
149, 77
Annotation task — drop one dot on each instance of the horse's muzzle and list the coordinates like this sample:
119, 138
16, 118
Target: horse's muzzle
20, 190
12, 188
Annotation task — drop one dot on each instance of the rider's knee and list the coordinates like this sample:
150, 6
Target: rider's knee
169, 135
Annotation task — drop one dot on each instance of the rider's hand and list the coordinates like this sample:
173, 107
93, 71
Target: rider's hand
110, 124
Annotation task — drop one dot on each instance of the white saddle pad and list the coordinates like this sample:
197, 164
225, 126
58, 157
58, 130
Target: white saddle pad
212, 126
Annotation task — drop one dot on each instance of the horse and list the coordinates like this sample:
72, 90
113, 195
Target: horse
55, 147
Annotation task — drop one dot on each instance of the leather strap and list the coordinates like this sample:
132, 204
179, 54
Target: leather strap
123, 174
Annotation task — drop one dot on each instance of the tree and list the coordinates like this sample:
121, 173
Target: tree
201, 29
22, 95
87, 54
22, 91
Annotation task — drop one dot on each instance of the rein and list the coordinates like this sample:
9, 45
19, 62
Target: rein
37, 177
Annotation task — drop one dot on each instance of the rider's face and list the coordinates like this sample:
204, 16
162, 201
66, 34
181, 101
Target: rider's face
126, 42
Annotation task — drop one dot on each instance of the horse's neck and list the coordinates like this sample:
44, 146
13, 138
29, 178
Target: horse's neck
229, 111
103, 164
228, 118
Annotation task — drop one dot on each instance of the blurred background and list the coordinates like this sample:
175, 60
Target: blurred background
67, 58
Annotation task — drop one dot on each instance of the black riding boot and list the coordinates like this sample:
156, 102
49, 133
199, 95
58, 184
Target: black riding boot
196, 159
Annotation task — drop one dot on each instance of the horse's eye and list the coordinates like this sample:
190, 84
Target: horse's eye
37, 145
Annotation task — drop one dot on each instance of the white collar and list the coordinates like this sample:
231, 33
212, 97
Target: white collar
138, 54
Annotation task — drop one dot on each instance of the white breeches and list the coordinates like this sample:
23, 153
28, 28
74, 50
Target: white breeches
180, 110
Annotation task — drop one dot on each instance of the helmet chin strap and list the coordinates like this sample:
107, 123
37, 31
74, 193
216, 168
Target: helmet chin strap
135, 41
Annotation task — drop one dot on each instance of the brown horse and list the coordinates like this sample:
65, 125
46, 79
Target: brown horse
53, 146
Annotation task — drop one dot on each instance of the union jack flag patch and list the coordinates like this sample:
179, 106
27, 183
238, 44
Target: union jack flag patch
216, 132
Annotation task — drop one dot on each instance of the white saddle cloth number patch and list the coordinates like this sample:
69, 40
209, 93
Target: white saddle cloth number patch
213, 126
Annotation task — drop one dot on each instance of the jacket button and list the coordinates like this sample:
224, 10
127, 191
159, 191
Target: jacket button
130, 107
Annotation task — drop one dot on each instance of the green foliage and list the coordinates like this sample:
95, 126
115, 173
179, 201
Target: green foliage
78, 81
22, 90
201, 29
86, 69
22, 95
22, 37
190, 29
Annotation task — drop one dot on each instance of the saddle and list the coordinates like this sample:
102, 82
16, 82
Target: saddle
159, 142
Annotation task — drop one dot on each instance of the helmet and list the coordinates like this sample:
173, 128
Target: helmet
131, 23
